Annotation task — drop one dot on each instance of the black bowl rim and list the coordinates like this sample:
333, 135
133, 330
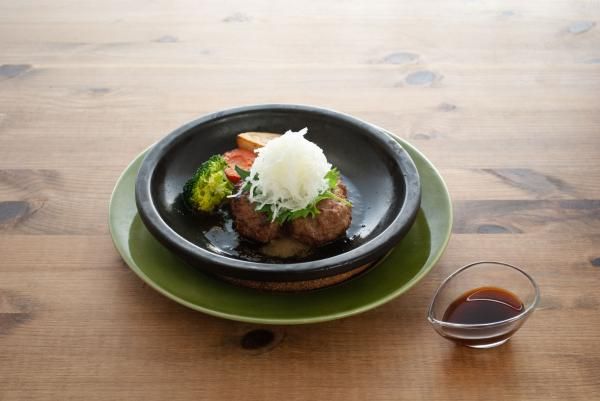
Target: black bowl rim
230, 266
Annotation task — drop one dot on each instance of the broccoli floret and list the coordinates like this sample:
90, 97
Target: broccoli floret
209, 185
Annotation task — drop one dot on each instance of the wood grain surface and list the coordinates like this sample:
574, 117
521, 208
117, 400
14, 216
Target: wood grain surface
502, 96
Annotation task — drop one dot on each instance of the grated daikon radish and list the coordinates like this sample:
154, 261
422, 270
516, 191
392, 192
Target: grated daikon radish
288, 173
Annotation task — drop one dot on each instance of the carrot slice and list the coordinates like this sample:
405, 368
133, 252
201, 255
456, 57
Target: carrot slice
238, 157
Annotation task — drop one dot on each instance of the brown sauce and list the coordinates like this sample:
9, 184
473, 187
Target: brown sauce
285, 248
484, 305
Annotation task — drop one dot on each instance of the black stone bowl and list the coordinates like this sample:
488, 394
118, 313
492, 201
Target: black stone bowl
383, 184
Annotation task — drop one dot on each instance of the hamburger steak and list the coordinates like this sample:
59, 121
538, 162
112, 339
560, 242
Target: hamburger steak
252, 223
333, 220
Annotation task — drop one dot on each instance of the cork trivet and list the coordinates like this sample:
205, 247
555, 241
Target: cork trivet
289, 286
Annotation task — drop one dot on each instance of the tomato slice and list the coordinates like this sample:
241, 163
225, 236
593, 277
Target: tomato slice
238, 157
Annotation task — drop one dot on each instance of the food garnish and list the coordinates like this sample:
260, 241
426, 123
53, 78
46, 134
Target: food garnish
289, 178
209, 186
242, 158
254, 140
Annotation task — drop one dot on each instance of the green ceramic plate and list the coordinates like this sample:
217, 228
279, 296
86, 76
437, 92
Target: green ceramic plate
410, 261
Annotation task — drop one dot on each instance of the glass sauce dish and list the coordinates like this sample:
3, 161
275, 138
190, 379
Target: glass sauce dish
483, 304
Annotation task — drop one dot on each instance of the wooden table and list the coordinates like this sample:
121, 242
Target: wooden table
503, 96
